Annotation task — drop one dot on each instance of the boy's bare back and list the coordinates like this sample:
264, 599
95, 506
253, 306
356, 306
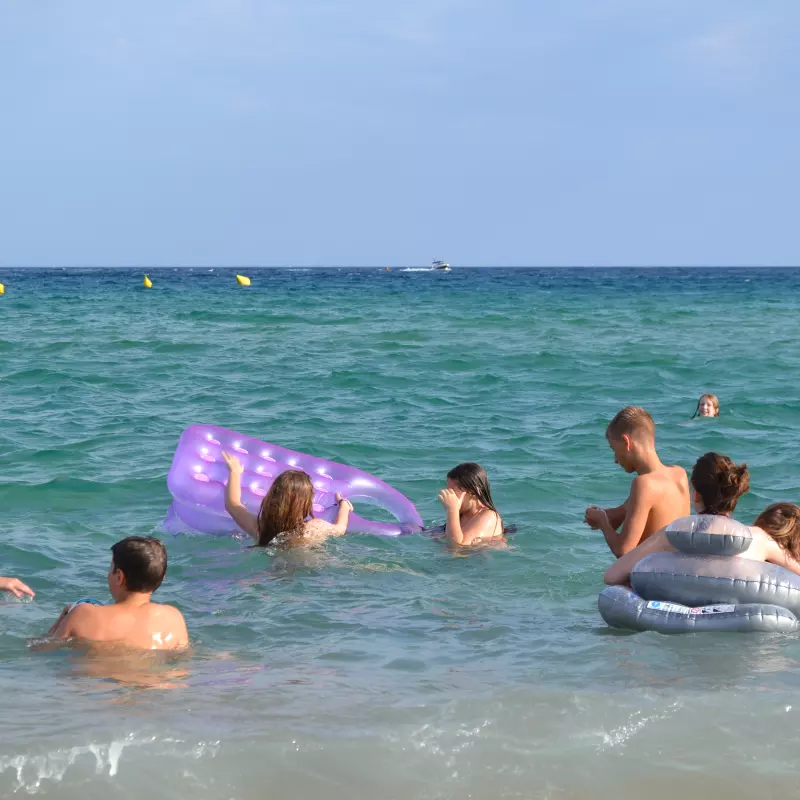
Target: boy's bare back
151, 626
658, 498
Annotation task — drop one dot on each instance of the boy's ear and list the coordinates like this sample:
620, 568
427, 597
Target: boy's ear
119, 575
627, 440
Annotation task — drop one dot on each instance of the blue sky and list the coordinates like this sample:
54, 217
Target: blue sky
371, 132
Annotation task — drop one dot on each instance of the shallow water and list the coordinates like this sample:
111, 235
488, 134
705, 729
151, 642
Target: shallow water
374, 667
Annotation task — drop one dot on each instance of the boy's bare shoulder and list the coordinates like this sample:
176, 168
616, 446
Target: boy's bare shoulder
652, 481
84, 618
678, 474
162, 611
170, 616
642, 483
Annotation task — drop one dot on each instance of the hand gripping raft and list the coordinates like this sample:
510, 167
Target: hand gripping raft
198, 476
704, 586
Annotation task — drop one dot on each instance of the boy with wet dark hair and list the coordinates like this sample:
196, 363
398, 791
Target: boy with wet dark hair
138, 567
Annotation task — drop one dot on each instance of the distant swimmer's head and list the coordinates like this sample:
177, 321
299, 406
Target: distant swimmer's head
629, 434
287, 505
470, 479
707, 406
718, 484
138, 564
782, 522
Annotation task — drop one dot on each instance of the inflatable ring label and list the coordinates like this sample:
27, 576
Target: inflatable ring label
713, 610
669, 608
198, 476
674, 608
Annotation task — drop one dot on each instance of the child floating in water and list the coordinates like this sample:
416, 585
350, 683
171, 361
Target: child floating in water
286, 511
471, 515
659, 493
707, 406
717, 485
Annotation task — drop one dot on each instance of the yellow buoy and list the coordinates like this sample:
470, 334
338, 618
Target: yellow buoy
242, 280
148, 284
2, 288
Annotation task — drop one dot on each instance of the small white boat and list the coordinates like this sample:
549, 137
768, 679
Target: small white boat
440, 265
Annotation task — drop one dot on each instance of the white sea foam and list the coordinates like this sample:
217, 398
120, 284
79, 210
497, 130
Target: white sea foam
32, 773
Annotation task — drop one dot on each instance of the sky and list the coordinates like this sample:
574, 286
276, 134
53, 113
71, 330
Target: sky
392, 132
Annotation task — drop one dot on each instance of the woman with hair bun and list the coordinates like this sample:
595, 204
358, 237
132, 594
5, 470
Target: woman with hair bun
717, 484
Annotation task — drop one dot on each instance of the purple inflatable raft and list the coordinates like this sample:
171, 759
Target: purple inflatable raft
198, 476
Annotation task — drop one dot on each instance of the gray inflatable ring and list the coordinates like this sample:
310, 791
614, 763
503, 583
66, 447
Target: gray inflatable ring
705, 586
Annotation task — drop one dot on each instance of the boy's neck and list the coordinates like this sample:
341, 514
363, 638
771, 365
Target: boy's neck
647, 462
133, 599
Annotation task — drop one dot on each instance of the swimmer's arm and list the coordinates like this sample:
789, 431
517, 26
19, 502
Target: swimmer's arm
777, 555
639, 504
61, 630
452, 526
16, 587
342, 517
233, 505
616, 516
619, 573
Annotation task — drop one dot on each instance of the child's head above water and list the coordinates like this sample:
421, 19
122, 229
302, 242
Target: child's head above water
138, 564
631, 432
707, 406
287, 505
718, 484
471, 480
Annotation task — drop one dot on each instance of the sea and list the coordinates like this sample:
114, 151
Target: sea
373, 667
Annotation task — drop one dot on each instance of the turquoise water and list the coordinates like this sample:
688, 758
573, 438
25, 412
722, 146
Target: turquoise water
387, 668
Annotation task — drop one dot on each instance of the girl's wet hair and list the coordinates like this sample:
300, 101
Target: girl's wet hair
782, 522
714, 402
472, 478
719, 482
286, 507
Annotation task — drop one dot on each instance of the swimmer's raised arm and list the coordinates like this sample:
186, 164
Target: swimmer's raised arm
485, 525
233, 497
452, 505
345, 507
619, 573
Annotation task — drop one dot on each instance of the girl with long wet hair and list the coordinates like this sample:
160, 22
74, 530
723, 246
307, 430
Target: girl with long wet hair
471, 514
286, 514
